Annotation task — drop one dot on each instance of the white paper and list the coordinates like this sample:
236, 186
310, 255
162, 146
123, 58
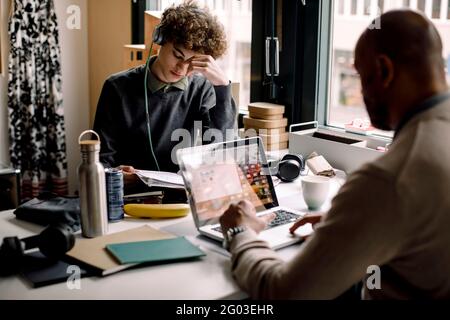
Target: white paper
161, 179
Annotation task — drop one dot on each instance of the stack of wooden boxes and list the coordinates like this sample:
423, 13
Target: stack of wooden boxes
267, 121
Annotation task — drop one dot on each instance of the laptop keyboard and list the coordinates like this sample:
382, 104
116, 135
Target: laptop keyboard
282, 217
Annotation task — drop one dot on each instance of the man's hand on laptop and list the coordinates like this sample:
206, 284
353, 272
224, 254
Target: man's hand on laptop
313, 219
243, 214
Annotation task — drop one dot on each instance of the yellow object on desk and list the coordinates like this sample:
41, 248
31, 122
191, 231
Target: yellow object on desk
157, 211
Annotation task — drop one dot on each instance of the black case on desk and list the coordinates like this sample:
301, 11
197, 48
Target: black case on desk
51, 210
9, 189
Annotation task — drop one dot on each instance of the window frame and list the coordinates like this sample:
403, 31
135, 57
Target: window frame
325, 56
138, 8
298, 57
324, 63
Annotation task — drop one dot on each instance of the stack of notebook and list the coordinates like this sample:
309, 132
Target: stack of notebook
119, 251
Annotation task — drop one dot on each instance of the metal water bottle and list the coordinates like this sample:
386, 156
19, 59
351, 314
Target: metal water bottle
91, 176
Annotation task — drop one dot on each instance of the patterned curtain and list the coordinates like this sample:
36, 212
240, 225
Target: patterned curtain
36, 119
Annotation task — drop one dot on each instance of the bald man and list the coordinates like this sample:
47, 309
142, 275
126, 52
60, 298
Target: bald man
389, 224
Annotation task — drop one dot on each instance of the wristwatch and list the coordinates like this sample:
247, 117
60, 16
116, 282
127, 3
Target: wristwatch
231, 232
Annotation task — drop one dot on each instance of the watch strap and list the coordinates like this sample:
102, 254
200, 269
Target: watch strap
230, 234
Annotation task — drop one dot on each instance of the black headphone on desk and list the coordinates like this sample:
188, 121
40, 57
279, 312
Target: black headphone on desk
53, 243
289, 168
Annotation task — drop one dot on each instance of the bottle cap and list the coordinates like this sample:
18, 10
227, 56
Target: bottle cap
89, 145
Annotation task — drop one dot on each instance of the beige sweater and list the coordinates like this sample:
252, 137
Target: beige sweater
394, 213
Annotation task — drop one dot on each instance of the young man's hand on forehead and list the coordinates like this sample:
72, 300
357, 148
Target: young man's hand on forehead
207, 66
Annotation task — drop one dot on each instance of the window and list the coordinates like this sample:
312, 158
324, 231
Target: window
421, 5
436, 14
236, 16
345, 100
448, 11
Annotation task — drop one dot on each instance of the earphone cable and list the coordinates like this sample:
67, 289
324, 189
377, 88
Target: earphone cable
147, 67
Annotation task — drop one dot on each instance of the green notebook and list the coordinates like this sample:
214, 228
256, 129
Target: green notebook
154, 251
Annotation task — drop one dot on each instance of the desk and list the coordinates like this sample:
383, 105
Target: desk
206, 279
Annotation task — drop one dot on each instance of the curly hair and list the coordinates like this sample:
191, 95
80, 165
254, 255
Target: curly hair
194, 28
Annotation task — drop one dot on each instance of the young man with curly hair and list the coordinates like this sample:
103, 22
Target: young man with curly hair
186, 89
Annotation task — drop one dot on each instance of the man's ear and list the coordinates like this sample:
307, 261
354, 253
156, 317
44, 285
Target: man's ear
386, 69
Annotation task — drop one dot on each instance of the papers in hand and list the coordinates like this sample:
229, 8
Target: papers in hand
161, 179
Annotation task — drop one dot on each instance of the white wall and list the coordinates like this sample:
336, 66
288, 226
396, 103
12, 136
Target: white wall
74, 50
74, 55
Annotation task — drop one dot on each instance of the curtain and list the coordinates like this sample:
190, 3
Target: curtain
36, 119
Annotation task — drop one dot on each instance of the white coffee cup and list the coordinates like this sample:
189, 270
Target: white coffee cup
315, 191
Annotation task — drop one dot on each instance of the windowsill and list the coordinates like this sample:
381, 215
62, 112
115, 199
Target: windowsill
373, 140
387, 135
343, 150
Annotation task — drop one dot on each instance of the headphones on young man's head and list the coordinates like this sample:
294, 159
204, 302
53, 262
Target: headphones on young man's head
289, 168
53, 243
158, 35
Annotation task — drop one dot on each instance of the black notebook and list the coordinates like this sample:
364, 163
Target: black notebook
40, 271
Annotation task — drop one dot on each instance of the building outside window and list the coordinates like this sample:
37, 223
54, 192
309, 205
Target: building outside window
350, 18
236, 16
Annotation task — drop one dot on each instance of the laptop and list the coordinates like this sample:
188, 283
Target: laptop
218, 175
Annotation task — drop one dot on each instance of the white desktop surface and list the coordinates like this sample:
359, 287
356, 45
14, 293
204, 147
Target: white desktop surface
206, 279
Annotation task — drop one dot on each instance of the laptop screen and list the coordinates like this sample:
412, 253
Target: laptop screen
221, 174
